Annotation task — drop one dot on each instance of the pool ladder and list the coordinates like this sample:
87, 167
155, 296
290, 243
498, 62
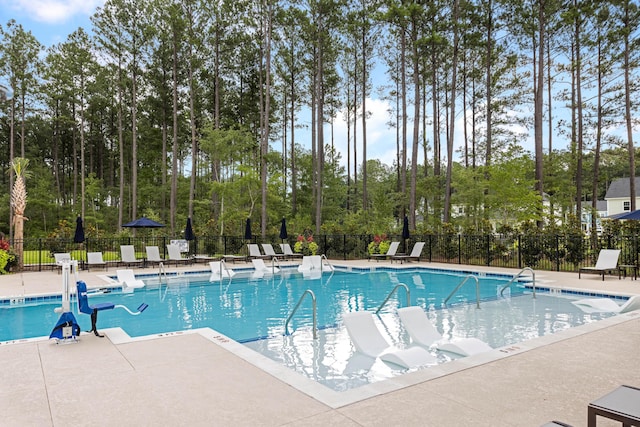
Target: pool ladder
517, 276
162, 273
275, 263
323, 257
315, 322
467, 277
399, 285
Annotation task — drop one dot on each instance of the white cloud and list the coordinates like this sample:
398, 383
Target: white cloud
53, 11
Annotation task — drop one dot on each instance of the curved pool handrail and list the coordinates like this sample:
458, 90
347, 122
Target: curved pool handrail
315, 322
517, 276
467, 277
399, 285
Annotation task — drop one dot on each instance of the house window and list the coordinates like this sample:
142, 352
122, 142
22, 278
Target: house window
627, 206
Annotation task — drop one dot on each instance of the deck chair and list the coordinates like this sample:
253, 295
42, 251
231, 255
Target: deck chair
153, 255
607, 305
220, 271
175, 256
607, 262
368, 340
128, 256
94, 259
269, 251
393, 248
254, 252
60, 259
414, 255
128, 281
288, 253
422, 332
260, 266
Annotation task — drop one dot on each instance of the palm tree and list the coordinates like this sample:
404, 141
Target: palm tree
19, 203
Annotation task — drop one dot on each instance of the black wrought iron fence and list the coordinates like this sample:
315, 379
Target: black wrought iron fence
543, 251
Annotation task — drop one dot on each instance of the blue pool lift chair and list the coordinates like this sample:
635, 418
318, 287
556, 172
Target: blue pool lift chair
92, 310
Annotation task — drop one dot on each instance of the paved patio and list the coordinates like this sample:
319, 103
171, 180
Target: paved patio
199, 379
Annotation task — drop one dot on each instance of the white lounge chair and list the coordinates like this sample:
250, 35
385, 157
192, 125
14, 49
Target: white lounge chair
607, 305
128, 255
393, 248
61, 258
94, 259
422, 332
311, 267
128, 280
260, 266
153, 255
414, 255
607, 262
368, 340
288, 253
269, 251
220, 271
175, 256
254, 252
310, 262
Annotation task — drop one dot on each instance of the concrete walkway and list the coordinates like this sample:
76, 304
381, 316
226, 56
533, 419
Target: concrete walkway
195, 379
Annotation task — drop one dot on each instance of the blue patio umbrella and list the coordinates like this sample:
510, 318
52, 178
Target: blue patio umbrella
188, 231
247, 230
78, 237
283, 229
143, 222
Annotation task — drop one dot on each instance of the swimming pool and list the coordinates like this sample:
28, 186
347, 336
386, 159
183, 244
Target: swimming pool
253, 311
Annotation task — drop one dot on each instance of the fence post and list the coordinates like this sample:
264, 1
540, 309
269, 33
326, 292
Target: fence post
488, 250
519, 251
558, 252
459, 249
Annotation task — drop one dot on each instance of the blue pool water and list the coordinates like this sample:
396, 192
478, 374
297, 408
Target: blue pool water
253, 311
248, 309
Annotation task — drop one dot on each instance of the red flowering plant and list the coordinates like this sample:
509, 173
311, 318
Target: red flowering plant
379, 245
7, 257
305, 245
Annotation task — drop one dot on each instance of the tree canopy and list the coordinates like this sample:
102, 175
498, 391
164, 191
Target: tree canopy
223, 111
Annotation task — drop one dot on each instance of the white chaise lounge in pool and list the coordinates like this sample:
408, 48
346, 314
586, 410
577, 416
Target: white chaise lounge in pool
423, 332
368, 340
607, 305
128, 280
260, 266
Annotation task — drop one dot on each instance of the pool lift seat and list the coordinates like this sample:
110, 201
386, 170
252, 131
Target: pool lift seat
92, 310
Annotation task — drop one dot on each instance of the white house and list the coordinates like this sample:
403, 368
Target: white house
617, 197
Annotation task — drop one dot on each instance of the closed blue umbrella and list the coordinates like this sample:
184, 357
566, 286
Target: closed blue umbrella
283, 229
188, 231
78, 237
405, 233
405, 228
247, 230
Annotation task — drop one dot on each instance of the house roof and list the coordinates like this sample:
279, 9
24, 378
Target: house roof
601, 206
620, 188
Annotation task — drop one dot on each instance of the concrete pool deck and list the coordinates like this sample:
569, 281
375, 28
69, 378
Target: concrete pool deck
191, 379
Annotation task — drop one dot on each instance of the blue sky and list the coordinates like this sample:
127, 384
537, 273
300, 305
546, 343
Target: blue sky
50, 21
